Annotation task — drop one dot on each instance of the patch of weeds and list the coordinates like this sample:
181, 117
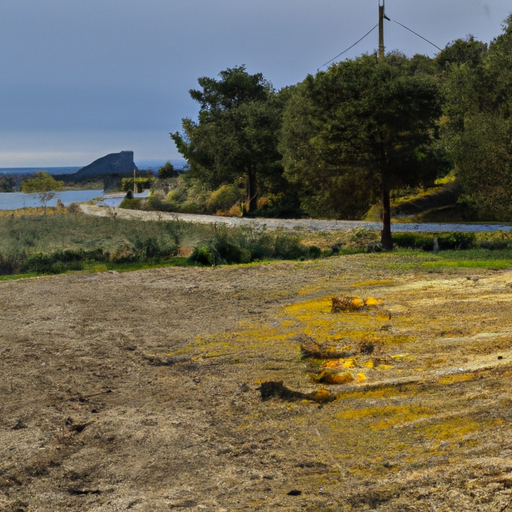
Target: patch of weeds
244, 245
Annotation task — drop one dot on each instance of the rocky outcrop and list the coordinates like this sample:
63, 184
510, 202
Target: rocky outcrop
115, 164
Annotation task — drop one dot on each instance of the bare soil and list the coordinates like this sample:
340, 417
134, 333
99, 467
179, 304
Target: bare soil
141, 391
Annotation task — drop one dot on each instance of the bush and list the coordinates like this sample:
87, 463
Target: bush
243, 245
11, 263
131, 204
223, 199
143, 249
74, 208
425, 241
494, 245
156, 203
201, 255
314, 252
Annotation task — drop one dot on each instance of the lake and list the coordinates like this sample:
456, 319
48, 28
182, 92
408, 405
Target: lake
16, 200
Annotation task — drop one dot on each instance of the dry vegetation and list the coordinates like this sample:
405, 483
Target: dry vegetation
143, 390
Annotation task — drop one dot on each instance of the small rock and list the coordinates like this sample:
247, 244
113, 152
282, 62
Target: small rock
19, 425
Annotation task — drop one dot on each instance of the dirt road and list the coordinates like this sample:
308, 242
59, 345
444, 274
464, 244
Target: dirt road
291, 224
140, 391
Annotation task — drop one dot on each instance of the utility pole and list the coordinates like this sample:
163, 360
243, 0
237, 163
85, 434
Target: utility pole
381, 30
386, 238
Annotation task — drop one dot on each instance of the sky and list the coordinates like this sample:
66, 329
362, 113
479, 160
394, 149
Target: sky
83, 78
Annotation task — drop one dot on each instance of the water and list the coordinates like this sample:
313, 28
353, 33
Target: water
15, 200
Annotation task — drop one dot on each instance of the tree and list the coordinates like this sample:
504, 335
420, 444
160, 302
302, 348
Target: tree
44, 185
361, 128
166, 171
235, 136
461, 51
476, 126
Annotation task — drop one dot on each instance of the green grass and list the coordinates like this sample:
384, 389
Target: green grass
472, 258
469, 258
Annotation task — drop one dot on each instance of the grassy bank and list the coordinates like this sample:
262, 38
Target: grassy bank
62, 242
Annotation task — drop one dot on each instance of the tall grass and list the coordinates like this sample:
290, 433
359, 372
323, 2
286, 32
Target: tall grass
67, 242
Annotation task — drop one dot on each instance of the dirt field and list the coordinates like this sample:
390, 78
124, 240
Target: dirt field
140, 391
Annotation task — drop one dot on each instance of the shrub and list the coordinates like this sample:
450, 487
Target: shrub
156, 203
494, 245
143, 249
425, 241
11, 263
74, 208
131, 204
243, 245
223, 199
201, 255
314, 252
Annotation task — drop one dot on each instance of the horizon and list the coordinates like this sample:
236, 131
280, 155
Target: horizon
141, 164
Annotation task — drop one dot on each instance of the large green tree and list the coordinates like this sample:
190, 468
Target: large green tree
477, 124
235, 135
359, 130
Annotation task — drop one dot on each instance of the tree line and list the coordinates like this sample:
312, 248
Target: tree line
343, 139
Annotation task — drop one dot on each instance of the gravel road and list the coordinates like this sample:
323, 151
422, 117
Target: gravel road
291, 224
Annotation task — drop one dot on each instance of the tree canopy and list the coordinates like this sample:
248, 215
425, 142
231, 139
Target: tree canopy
360, 128
166, 171
477, 127
235, 137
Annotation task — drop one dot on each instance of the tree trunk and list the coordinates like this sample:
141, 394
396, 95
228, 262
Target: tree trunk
251, 200
385, 238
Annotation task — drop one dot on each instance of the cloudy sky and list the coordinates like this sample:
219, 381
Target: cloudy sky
83, 78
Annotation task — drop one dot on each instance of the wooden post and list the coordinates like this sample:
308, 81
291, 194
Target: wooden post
381, 31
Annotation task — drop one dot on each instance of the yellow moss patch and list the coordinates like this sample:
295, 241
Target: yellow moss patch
330, 377
385, 417
361, 377
372, 302
398, 339
322, 395
452, 379
457, 427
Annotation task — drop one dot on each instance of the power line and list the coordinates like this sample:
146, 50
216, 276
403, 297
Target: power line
369, 32
350, 47
416, 34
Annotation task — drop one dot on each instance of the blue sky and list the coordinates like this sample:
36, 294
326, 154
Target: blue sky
82, 78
